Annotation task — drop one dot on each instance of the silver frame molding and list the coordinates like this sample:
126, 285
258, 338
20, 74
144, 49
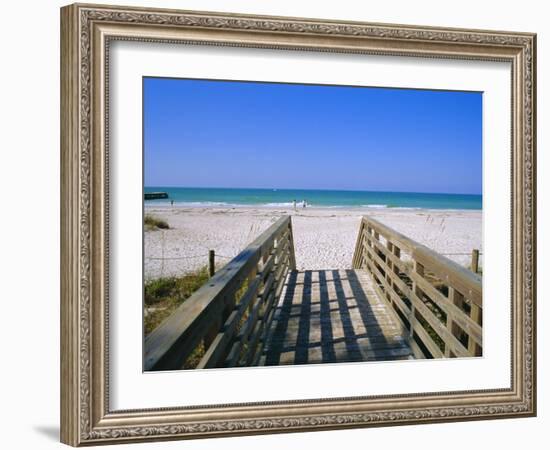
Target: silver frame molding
86, 31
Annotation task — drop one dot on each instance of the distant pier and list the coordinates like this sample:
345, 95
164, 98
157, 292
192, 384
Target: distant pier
155, 195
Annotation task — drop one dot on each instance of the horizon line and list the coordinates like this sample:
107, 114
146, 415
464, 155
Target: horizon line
314, 189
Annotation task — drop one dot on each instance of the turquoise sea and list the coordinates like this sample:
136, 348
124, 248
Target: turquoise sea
314, 198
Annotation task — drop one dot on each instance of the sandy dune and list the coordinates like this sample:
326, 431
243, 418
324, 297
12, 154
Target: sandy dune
324, 237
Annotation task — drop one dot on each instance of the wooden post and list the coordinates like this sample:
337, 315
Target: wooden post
389, 265
458, 300
419, 269
212, 332
217, 322
475, 314
389, 246
211, 262
475, 260
395, 267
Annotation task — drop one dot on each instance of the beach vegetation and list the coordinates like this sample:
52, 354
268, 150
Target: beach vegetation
163, 295
154, 223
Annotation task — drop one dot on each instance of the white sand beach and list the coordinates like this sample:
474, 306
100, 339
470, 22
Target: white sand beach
324, 237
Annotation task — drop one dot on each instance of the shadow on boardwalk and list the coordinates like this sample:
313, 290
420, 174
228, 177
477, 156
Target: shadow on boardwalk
329, 316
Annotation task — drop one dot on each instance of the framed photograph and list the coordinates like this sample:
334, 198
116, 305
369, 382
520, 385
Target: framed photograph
276, 224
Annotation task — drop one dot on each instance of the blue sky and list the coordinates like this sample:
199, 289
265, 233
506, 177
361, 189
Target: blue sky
200, 133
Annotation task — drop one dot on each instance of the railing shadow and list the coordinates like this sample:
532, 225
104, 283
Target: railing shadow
275, 344
327, 318
374, 333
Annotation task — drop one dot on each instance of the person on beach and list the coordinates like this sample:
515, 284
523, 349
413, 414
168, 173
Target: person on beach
294, 204
303, 203
171, 202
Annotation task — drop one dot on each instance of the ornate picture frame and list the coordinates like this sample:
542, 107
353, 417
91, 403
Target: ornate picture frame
86, 34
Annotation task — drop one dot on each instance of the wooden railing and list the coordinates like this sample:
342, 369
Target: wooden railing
437, 301
225, 322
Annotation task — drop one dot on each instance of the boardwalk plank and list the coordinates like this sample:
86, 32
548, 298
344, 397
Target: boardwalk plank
330, 316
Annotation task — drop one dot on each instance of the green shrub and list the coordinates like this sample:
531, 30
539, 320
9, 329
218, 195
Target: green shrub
152, 223
163, 295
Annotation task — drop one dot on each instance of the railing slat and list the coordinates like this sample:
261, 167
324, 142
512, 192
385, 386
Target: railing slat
215, 352
458, 315
268, 318
384, 261
438, 326
413, 327
168, 346
397, 301
465, 280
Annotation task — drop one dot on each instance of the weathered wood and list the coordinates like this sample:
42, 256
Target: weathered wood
427, 314
456, 299
350, 314
447, 270
378, 249
475, 261
443, 302
399, 304
217, 350
414, 326
406, 312
475, 347
211, 262
204, 315
418, 270
339, 318
270, 310
248, 327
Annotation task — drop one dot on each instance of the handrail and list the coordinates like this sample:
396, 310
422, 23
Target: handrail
230, 315
437, 301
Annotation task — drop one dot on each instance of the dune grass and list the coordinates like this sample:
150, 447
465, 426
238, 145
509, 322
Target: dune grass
154, 223
164, 295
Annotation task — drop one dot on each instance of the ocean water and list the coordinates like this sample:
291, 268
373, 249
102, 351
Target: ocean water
314, 198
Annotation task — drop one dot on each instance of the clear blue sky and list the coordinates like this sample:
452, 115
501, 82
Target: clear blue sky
200, 133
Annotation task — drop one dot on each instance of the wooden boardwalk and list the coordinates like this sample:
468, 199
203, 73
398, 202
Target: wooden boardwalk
400, 301
330, 316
